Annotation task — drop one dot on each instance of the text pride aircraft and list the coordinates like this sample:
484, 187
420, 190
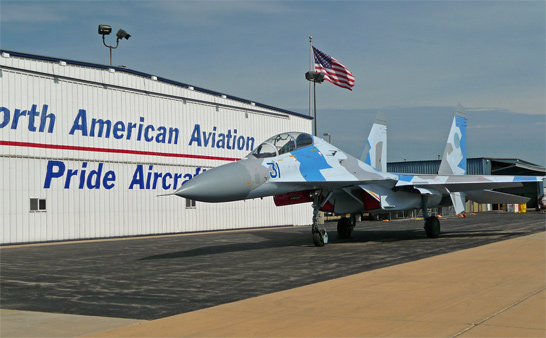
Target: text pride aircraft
297, 167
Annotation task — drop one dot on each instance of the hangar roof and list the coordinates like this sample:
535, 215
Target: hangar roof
515, 166
475, 166
160, 79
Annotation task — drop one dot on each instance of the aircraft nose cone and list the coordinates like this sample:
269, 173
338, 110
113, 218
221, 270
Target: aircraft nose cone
229, 182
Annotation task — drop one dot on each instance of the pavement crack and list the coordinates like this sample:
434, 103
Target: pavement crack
498, 313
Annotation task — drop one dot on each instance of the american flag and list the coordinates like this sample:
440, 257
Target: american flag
334, 72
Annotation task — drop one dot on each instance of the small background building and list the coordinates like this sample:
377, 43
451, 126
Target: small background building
85, 150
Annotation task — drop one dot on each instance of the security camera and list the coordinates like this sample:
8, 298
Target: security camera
122, 34
105, 30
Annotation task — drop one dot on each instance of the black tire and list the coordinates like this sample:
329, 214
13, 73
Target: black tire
432, 227
344, 228
318, 240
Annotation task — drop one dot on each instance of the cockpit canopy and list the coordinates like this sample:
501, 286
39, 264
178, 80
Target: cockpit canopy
282, 143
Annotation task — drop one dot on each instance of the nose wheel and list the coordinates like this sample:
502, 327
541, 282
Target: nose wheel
320, 237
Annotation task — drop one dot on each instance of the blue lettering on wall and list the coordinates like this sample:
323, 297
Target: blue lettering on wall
95, 176
147, 178
5, 117
83, 125
55, 169
80, 123
46, 120
94, 180
121, 130
212, 139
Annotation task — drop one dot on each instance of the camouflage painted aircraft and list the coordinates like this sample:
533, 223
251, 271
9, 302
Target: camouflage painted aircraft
296, 167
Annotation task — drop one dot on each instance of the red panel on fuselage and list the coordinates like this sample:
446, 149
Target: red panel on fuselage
293, 198
297, 197
370, 202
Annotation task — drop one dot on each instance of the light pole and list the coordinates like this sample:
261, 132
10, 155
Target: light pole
106, 30
315, 77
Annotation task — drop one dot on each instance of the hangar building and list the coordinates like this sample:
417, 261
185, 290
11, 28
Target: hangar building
85, 150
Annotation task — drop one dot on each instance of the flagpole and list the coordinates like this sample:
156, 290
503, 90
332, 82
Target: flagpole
315, 104
313, 76
310, 69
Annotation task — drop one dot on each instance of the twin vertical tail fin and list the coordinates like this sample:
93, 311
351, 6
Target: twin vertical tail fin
375, 151
454, 159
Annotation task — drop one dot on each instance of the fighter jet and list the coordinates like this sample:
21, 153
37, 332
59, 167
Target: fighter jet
296, 167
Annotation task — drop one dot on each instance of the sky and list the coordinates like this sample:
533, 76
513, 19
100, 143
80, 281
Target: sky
412, 60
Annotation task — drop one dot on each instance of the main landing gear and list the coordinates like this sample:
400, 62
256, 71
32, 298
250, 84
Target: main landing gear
432, 227
345, 227
432, 223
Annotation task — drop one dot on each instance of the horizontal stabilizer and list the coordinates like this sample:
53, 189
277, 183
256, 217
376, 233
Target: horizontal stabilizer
495, 197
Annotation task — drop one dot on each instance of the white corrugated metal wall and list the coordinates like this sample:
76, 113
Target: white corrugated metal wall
105, 184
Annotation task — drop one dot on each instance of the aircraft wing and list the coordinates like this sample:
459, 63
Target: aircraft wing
495, 197
454, 183
462, 183
334, 184
451, 183
388, 193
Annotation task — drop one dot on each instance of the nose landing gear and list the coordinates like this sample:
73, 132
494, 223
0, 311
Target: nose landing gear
320, 236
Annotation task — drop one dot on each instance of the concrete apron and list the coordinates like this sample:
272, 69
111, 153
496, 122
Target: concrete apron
493, 290
16, 323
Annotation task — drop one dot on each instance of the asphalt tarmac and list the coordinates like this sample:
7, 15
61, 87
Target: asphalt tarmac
155, 277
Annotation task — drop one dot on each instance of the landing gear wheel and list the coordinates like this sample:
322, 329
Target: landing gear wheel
344, 228
432, 227
320, 237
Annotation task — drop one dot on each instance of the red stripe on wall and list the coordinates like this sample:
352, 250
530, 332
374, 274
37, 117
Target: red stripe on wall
117, 151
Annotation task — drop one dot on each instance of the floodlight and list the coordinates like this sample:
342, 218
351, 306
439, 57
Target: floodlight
122, 34
314, 77
105, 30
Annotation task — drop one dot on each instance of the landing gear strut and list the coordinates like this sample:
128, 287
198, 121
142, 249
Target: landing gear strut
320, 237
432, 223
